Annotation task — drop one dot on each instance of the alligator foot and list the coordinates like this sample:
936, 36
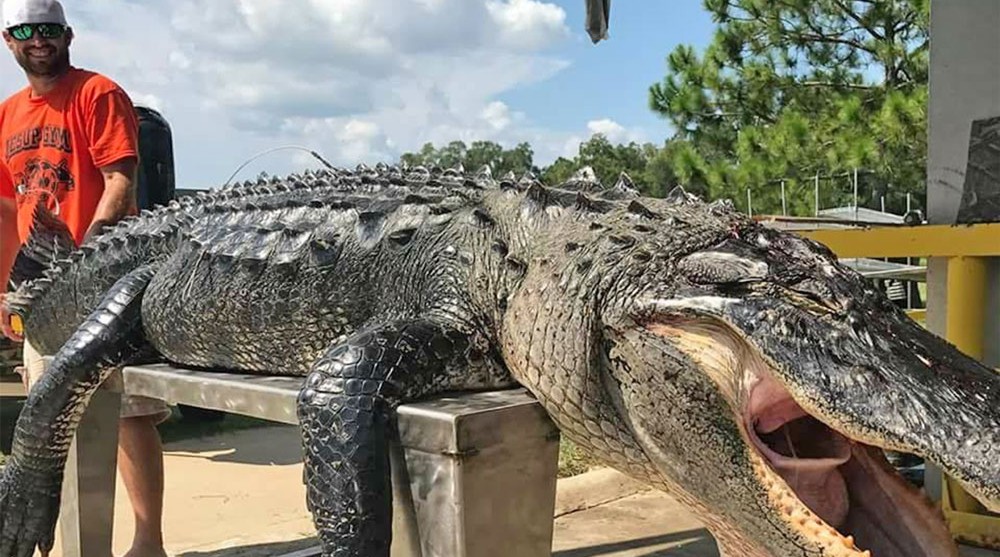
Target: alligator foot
345, 411
31, 483
29, 502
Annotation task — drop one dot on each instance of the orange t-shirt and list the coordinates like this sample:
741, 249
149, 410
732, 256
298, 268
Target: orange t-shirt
52, 147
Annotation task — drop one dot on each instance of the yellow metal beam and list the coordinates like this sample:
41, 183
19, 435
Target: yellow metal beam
918, 315
982, 240
965, 322
966, 305
977, 529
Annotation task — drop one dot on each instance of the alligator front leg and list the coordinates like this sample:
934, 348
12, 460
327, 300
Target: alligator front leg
346, 412
32, 478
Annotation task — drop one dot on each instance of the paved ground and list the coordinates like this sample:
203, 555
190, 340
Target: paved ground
240, 495
645, 524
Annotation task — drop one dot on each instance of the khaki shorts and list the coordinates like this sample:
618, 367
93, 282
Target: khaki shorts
132, 406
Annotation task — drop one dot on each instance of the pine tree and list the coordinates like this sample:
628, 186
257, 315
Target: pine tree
789, 89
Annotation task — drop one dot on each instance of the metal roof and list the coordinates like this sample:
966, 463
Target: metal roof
861, 214
878, 269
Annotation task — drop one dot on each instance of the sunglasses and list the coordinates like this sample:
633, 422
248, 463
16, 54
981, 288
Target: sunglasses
26, 31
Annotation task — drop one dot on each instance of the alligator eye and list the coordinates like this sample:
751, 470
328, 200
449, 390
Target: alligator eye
817, 292
717, 267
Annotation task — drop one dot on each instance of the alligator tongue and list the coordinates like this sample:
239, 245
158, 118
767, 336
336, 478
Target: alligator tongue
811, 468
802, 450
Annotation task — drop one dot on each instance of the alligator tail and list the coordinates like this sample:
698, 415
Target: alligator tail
49, 240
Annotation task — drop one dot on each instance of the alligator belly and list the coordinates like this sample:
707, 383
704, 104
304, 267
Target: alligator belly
208, 310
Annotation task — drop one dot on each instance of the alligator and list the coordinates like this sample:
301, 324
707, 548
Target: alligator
741, 368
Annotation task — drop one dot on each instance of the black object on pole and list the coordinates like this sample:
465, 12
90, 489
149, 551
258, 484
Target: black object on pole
598, 16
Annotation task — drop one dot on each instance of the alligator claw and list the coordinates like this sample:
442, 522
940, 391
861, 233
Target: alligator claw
29, 507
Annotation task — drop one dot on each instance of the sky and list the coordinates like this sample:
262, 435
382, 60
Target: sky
363, 81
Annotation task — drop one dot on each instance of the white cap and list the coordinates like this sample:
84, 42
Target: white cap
17, 12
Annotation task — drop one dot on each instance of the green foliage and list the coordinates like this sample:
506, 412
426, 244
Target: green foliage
559, 171
572, 460
518, 160
609, 161
648, 167
790, 89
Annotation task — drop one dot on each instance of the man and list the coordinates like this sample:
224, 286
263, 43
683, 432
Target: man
69, 140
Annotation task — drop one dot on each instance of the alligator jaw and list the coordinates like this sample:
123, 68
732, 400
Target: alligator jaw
880, 378
835, 488
834, 491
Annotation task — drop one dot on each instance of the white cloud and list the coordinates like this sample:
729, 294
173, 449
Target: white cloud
356, 80
571, 146
609, 128
351, 139
613, 131
147, 99
528, 23
497, 115
179, 60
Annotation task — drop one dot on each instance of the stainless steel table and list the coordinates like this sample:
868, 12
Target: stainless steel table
474, 475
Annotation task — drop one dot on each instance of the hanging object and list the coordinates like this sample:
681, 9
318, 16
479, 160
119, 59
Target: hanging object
598, 16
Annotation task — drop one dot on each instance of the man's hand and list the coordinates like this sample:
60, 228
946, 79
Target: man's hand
119, 198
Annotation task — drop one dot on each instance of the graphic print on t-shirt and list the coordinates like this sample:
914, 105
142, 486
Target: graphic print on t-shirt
40, 175
55, 137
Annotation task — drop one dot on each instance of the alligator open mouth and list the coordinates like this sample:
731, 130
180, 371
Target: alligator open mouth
864, 503
839, 493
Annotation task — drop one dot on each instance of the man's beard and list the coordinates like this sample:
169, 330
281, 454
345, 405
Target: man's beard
52, 67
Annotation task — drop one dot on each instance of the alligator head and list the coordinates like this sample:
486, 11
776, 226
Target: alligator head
749, 373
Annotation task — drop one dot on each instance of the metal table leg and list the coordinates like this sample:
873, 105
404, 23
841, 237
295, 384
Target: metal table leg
88, 495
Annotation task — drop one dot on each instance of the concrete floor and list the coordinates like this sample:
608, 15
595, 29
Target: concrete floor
240, 495
647, 524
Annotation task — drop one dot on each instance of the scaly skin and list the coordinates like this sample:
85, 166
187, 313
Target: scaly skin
657, 333
31, 483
